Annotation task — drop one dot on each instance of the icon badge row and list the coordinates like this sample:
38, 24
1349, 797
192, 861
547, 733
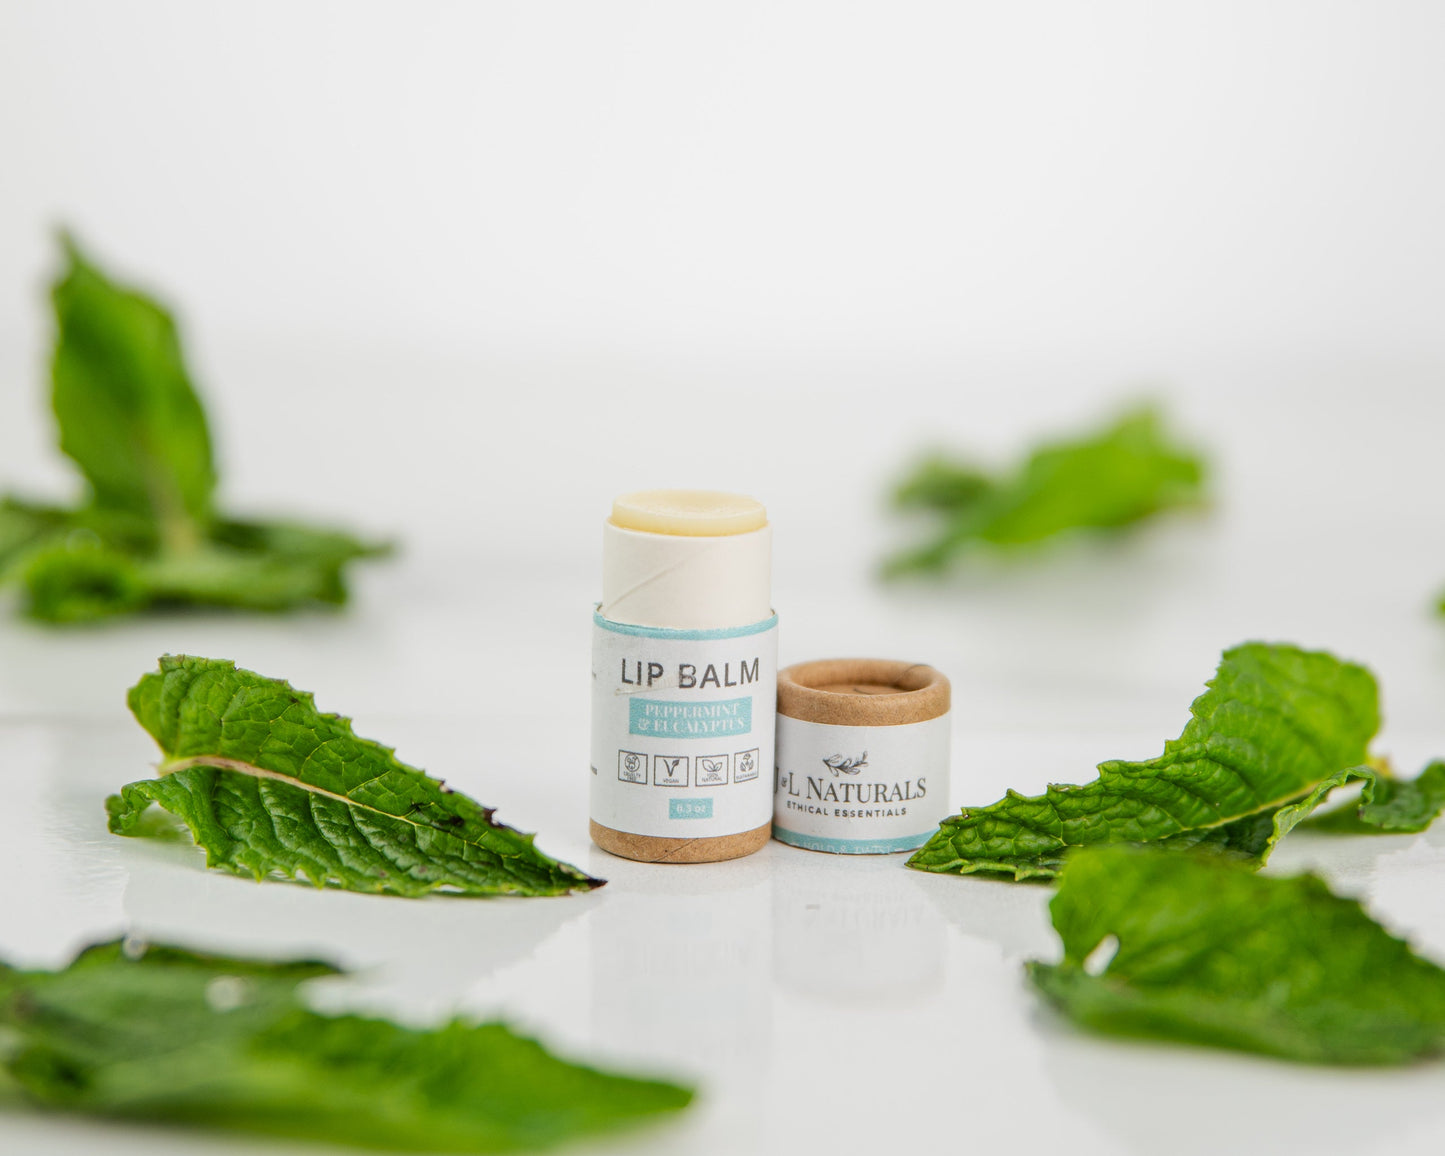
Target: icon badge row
688, 770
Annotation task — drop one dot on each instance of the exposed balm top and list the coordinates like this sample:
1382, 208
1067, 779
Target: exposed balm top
688, 513
686, 560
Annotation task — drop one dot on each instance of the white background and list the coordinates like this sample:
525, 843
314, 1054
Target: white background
458, 273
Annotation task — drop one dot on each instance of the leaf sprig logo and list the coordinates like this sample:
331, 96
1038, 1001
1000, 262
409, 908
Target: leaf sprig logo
838, 764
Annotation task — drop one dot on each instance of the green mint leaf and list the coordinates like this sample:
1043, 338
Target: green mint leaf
78, 578
269, 785
128, 414
25, 529
1253, 837
1276, 730
22, 526
26, 524
1114, 477
938, 483
1390, 806
73, 576
1206, 952
149, 537
267, 566
160, 1034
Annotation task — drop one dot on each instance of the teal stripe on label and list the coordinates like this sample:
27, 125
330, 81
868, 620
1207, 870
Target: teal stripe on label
690, 720
689, 808
684, 635
850, 846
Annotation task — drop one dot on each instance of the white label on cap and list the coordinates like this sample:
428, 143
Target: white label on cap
682, 728
860, 790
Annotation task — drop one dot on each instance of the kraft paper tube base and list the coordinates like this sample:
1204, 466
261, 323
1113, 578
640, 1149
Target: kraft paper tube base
862, 755
656, 849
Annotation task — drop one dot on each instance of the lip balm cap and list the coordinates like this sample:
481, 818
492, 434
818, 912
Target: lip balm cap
868, 692
882, 731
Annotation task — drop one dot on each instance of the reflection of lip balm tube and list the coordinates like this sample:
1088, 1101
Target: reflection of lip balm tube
684, 678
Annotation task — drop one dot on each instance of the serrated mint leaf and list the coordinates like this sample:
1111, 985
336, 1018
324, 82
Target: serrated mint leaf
1389, 806
1201, 950
1276, 730
1102, 480
1252, 838
163, 1035
269, 785
148, 536
129, 416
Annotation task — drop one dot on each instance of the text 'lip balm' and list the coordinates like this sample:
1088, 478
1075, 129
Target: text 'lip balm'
684, 678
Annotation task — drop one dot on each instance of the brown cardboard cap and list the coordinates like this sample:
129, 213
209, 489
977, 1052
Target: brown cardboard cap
862, 692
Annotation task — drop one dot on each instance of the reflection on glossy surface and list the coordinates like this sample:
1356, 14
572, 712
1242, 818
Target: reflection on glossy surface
1154, 1098
850, 929
452, 944
681, 957
1012, 916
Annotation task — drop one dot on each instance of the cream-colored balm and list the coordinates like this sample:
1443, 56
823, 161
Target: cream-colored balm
684, 678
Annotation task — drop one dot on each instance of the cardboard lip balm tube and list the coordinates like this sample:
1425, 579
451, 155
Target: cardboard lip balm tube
684, 679
862, 755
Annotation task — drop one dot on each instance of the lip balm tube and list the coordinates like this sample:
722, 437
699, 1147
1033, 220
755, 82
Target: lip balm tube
684, 678
862, 756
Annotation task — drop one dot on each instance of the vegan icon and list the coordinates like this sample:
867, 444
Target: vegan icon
839, 765
669, 770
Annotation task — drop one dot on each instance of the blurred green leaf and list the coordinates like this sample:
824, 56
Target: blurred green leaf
1104, 480
147, 536
164, 1035
128, 414
1206, 952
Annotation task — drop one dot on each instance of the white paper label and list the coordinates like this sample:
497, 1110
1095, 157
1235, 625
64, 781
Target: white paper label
860, 790
682, 728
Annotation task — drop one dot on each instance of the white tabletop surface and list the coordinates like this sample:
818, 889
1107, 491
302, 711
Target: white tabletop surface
459, 273
819, 1002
